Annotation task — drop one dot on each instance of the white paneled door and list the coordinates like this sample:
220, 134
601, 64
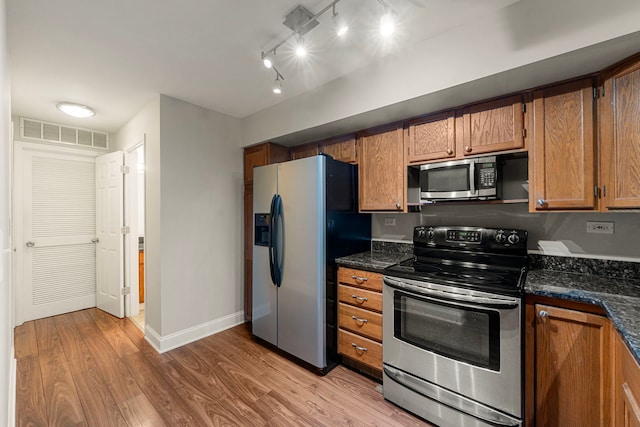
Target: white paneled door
109, 223
55, 230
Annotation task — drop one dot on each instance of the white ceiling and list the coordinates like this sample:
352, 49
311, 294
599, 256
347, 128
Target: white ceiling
116, 55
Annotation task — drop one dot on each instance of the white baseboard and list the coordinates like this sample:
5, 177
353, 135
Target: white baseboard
177, 339
13, 372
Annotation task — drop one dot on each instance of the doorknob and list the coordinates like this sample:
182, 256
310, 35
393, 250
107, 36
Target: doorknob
31, 244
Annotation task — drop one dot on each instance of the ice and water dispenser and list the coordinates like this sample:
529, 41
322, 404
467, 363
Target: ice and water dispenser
262, 228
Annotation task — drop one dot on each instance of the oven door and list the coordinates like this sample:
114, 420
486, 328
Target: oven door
465, 341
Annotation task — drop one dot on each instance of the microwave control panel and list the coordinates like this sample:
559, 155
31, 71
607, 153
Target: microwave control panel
487, 175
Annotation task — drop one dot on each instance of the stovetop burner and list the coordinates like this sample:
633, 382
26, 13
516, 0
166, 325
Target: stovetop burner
478, 258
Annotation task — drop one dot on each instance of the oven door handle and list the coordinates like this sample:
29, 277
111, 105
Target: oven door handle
482, 301
452, 400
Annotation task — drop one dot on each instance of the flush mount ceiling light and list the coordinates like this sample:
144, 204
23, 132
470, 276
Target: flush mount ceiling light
301, 20
75, 110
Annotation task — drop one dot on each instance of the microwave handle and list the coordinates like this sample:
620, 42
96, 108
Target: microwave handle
473, 189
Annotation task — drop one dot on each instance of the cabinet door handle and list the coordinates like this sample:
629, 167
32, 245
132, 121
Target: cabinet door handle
543, 313
359, 279
359, 299
359, 320
358, 348
398, 206
541, 202
30, 244
449, 151
468, 148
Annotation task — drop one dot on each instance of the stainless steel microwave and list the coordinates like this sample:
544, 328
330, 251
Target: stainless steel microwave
467, 179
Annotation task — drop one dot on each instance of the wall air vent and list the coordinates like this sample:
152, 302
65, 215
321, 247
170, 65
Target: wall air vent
52, 132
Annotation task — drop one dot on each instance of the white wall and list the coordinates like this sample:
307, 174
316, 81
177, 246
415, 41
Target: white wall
201, 217
146, 126
7, 374
524, 33
193, 230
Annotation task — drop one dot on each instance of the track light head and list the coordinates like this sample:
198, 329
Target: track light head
301, 49
339, 24
387, 23
277, 83
267, 59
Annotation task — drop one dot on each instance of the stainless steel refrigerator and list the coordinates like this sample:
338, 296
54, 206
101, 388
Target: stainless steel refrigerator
305, 216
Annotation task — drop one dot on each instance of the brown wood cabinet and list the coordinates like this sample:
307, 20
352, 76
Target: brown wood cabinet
258, 155
620, 137
562, 163
492, 126
432, 138
302, 151
382, 172
360, 318
626, 394
342, 149
568, 379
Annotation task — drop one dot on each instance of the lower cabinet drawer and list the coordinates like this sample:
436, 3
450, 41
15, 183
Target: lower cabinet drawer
363, 322
360, 348
360, 297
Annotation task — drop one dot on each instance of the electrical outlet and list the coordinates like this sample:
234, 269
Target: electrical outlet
390, 221
602, 227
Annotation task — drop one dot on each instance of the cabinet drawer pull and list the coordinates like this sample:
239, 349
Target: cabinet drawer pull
359, 299
359, 279
359, 320
358, 348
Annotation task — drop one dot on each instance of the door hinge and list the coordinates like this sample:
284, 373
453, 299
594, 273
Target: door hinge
524, 133
524, 107
124, 230
124, 169
126, 290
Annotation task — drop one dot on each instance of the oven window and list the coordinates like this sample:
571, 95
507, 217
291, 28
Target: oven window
470, 335
452, 178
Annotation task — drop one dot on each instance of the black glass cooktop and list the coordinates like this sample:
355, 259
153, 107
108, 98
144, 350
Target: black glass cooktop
477, 276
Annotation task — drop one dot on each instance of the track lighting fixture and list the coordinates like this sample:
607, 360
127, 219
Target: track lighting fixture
277, 84
267, 58
300, 20
339, 24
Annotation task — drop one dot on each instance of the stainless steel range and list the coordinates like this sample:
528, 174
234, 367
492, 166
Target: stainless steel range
452, 328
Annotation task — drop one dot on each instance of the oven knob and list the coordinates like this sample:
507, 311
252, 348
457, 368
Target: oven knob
513, 238
430, 235
500, 237
421, 232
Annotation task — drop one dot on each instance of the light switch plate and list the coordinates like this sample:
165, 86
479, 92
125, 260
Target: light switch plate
602, 227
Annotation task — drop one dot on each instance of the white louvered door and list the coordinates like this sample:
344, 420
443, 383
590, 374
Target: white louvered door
110, 219
56, 255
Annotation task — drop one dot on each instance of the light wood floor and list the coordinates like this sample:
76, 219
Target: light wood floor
88, 368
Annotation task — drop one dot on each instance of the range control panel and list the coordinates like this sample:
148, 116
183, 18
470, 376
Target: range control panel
503, 239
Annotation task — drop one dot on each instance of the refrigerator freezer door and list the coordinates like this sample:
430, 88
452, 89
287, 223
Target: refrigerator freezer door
301, 297
265, 302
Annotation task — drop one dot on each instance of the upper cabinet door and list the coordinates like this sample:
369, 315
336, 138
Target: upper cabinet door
620, 139
432, 138
493, 126
260, 155
302, 151
563, 155
343, 150
382, 172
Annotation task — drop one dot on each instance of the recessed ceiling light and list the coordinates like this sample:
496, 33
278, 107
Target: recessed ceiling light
75, 110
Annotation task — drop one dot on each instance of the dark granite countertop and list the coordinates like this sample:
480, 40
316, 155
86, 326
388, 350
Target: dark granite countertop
373, 260
583, 280
620, 298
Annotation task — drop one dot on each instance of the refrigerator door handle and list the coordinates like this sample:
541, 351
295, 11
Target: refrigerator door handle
272, 240
278, 252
